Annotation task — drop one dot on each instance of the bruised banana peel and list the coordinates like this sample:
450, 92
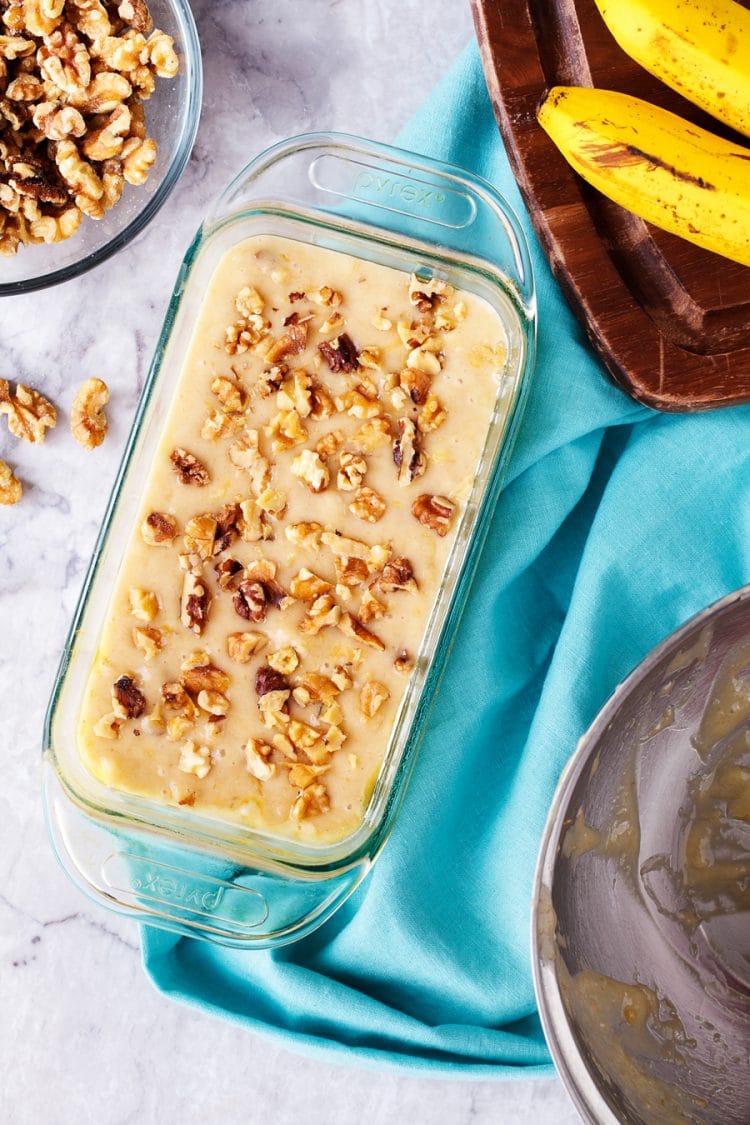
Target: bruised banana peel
701, 48
672, 173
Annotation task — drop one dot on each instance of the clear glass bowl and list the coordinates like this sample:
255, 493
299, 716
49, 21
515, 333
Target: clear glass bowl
170, 866
172, 115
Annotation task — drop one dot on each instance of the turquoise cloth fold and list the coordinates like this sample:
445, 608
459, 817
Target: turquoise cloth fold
615, 526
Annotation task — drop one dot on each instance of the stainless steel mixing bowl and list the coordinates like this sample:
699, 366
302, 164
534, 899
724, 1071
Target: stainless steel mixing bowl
641, 919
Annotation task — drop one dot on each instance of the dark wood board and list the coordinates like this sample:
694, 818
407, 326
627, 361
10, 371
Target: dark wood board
671, 321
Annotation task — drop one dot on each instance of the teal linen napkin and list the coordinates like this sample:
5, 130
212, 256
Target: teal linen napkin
615, 526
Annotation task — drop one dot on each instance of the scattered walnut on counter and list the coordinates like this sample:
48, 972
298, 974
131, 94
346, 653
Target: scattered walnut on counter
11, 488
88, 422
434, 511
30, 414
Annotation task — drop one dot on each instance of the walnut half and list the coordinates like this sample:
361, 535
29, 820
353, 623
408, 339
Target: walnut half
88, 421
11, 488
30, 414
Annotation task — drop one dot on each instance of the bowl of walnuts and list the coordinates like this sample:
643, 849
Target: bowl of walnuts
99, 107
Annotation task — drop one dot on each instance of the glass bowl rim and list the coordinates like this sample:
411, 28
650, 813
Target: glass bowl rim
193, 97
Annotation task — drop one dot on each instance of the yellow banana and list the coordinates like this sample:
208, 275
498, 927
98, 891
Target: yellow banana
671, 173
701, 48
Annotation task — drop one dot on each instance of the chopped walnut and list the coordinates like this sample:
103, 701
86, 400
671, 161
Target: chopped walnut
295, 393
273, 501
375, 556
249, 302
323, 611
340, 354
268, 679
314, 687
30, 414
195, 759
231, 395
309, 468
198, 673
353, 627
241, 647
371, 435
128, 701
330, 298
416, 384
312, 801
253, 524
286, 430
188, 468
199, 536
228, 527
368, 505
432, 415
219, 424
88, 421
424, 360
272, 706
407, 455
372, 696
11, 488
328, 444
108, 726
245, 454
370, 608
403, 664
435, 512
284, 660
308, 586
213, 702
158, 529
306, 534
257, 755
291, 342
332, 324
301, 775
195, 603
359, 405
144, 604
427, 293
398, 574
251, 601
350, 571
148, 640
228, 574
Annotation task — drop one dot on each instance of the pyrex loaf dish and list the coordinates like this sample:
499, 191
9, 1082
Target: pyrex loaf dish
172, 114
169, 865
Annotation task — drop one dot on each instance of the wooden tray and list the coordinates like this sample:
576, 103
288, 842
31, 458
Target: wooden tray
670, 321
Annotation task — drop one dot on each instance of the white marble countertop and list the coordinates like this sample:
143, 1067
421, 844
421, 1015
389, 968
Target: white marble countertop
83, 1036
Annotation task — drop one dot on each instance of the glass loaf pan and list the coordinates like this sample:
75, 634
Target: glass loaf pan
170, 866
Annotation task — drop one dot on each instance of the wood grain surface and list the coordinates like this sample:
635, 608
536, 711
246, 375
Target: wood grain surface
671, 321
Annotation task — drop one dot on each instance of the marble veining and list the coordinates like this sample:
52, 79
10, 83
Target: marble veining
83, 1037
